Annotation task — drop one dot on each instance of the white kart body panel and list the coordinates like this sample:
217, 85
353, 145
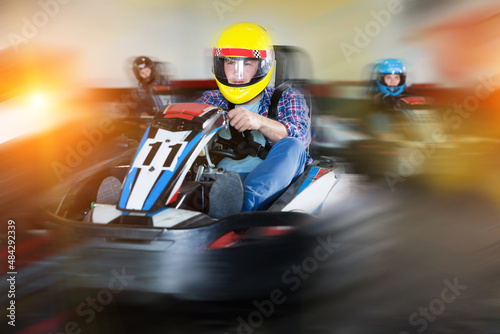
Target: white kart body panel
150, 173
311, 198
103, 213
168, 217
165, 156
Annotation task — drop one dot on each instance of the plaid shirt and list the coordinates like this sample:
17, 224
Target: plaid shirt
293, 112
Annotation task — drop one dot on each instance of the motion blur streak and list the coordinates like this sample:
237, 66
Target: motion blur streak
398, 257
396, 261
464, 46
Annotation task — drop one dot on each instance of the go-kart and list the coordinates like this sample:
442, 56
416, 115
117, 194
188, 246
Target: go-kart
414, 139
158, 227
173, 169
161, 212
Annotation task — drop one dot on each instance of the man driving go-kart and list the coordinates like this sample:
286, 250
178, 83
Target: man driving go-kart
243, 62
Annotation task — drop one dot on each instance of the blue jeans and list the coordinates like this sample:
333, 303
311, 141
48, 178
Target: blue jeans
284, 163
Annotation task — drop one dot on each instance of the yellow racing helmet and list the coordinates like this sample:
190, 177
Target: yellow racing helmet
243, 62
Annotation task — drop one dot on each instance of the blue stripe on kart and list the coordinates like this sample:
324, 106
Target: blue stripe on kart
143, 141
127, 187
309, 179
315, 210
167, 175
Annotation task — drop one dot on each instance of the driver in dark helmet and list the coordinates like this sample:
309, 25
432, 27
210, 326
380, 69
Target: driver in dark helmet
144, 71
243, 62
148, 76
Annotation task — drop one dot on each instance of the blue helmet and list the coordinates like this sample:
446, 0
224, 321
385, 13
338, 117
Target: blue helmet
391, 66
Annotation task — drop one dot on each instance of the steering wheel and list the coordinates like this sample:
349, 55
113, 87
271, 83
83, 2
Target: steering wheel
240, 145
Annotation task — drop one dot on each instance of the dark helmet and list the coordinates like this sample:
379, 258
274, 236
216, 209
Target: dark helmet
141, 63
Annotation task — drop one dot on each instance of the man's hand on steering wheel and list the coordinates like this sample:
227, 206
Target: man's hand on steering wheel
241, 144
243, 119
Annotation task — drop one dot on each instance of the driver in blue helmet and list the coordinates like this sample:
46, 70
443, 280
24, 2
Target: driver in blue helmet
390, 86
391, 82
